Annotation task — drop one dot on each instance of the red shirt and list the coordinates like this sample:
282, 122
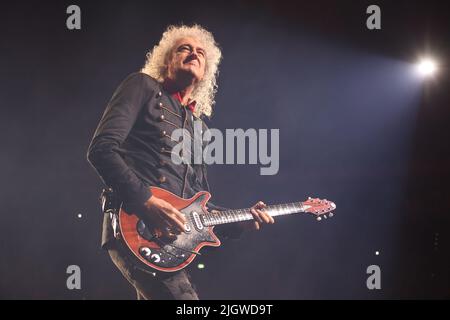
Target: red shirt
191, 105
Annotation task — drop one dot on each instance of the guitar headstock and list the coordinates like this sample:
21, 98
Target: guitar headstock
318, 207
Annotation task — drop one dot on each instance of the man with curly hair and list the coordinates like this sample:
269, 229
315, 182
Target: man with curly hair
132, 148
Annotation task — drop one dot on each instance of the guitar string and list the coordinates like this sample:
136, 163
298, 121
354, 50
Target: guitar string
292, 207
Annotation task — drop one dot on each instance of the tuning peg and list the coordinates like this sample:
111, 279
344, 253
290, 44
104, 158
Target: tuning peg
319, 218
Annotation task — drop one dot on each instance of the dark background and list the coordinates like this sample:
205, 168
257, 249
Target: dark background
356, 127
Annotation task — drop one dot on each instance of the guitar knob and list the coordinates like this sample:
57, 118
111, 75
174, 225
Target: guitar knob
319, 218
325, 216
155, 257
145, 251
331, 214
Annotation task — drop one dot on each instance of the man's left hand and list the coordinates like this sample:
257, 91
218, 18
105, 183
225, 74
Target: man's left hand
260, 216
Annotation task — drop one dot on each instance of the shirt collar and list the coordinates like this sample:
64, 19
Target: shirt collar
190, 105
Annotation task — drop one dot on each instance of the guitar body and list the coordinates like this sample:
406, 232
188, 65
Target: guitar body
168, 255
163, 254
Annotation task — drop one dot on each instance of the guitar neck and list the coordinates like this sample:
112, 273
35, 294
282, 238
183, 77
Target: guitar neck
238, 215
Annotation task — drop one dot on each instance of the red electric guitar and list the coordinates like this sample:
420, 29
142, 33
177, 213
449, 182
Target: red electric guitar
168, 256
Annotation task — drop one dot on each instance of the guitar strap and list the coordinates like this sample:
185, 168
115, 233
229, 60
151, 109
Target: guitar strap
111, 203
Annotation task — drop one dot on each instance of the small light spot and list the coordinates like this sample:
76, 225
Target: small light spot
201, 266
377, 253
79, 215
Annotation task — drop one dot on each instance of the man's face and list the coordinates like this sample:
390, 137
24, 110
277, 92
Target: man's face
188, 58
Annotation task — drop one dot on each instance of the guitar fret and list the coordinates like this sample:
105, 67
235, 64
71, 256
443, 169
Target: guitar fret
206, 219
245, 214
293, 207
280, 210
230, 216
237, 214
276, 210
288, 207
287, 210
233, 216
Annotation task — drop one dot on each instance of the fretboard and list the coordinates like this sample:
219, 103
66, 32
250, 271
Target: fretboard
237, 215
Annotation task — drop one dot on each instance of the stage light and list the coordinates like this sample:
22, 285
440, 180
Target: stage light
201, 266
426, 67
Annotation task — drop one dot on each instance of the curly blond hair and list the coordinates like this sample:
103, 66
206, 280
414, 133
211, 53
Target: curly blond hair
156, 63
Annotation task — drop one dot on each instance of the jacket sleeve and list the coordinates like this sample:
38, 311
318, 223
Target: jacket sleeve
116, 123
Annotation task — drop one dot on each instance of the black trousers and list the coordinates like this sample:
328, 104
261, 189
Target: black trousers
162, 286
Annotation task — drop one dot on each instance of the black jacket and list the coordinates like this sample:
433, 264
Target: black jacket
132, 146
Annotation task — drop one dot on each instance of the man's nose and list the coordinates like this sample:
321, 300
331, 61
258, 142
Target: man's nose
193, 55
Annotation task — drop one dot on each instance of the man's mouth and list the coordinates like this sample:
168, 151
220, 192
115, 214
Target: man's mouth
193, 62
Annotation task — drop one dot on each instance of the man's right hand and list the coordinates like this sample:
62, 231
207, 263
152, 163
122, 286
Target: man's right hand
163, 216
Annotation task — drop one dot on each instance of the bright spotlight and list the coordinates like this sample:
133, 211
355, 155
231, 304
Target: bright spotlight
426, 67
